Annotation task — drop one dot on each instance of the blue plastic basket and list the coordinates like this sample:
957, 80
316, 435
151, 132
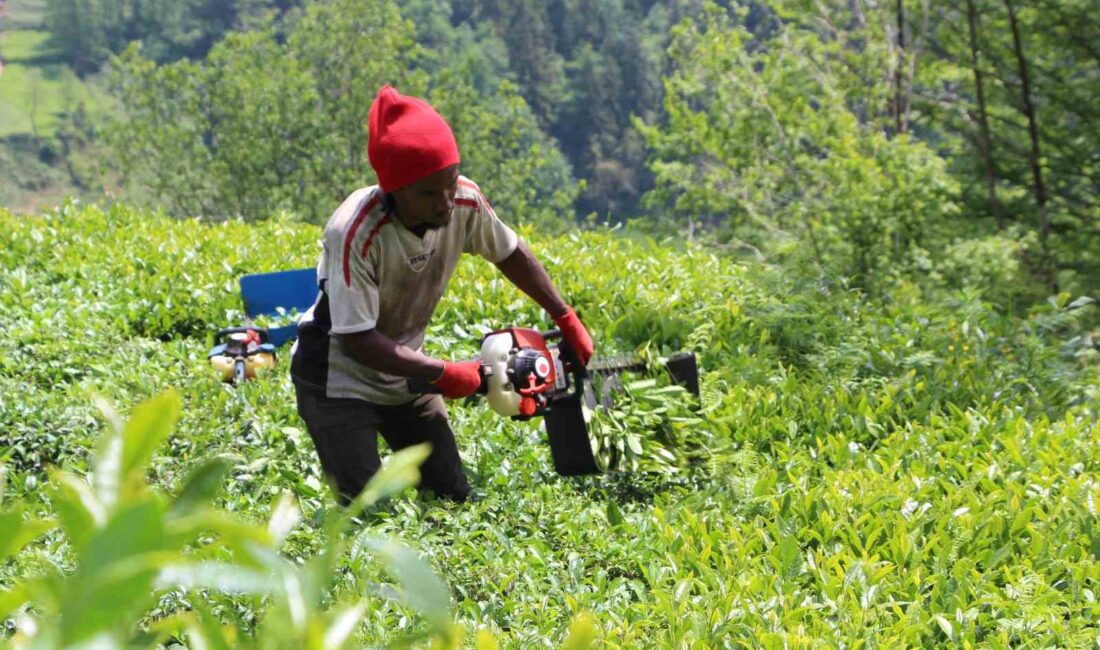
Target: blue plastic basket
264, 293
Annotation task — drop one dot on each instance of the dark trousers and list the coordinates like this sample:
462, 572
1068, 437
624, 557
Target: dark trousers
345, 434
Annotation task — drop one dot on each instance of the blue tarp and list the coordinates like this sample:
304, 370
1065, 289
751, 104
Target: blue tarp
264, 293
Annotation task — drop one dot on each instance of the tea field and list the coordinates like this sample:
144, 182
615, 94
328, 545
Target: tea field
909, 471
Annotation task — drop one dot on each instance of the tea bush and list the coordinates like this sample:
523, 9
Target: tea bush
909, 471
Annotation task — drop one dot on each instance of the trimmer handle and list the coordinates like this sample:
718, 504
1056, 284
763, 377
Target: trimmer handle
261, 332
572, 365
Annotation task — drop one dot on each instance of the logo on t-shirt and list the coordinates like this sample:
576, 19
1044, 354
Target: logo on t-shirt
417, 262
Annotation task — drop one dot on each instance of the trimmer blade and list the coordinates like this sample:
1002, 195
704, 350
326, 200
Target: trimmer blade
568, 434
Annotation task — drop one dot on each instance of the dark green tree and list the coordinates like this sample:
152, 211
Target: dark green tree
88, 32
265, 124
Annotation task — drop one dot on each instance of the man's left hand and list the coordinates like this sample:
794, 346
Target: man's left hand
576, 335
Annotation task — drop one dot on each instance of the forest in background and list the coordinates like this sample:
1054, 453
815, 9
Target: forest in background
951, 139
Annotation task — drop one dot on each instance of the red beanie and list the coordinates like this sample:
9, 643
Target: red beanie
408, 140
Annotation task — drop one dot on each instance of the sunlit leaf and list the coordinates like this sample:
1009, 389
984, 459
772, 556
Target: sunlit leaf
945, 626
11, 599
202, 487
149, 425
284, 516
343, 625
485, 640
400, 471
115, 576
420, 587
582, 633
224, 577
78, 508
16, 532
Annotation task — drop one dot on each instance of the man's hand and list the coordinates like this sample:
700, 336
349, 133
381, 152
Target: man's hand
576, 335
459, 379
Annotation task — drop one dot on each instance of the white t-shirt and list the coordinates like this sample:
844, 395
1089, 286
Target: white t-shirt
377, 274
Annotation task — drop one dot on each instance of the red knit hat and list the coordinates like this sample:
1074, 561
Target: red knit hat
408, 140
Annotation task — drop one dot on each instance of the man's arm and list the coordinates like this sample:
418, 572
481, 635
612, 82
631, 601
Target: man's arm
378, 351
525, 271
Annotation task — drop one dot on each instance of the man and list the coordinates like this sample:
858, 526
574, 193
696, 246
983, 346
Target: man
388, 253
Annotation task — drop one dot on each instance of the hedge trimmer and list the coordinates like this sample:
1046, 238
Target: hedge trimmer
241, 353
523, 377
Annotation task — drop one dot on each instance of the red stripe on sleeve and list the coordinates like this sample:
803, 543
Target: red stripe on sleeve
351, 235
373, 232
473, 186
468, 202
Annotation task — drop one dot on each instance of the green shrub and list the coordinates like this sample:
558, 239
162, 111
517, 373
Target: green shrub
911, 470
991, 266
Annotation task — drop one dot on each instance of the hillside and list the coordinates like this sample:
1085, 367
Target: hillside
47, 113
899, 472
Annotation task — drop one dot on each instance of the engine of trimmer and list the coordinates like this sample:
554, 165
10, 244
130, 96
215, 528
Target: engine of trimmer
523, 376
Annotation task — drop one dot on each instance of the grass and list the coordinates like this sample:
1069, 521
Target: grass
35, 89
915, 472
25, 14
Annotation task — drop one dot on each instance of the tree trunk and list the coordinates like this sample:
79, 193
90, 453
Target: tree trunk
899, 102
33, 113
985, 144
1032, 126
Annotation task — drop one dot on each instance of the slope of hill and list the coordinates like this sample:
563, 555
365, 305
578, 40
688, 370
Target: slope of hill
899, 473
37, 87
38, 94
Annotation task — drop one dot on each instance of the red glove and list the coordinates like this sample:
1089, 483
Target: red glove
459, 379
573, 330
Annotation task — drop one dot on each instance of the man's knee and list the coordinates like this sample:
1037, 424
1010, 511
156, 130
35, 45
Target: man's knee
344, 434
349, 484
456, 488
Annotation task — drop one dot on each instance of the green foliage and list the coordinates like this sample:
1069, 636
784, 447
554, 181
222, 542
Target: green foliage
1056, 40
759, 136
47, 117
585, 68
991, 266
264, 125
525, 177
858, 137
88, 32
897, 471
935, 62
249, 131
23, 170
130, 544
651, 427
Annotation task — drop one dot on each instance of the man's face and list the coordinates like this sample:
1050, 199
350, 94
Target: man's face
429, 201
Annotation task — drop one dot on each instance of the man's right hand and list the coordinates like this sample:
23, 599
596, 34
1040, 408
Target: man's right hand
459, 379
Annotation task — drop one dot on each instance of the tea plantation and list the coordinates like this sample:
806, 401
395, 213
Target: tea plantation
900, 472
